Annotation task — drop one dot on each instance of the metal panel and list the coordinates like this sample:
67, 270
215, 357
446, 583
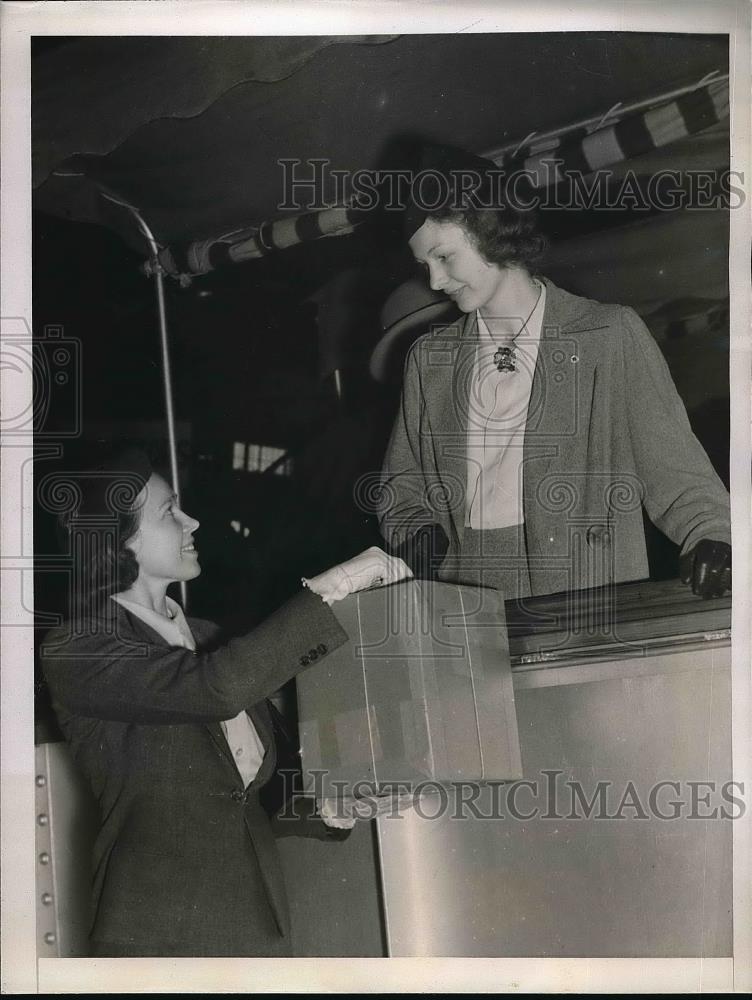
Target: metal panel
495, 885
334, 891
334, 888
65, 830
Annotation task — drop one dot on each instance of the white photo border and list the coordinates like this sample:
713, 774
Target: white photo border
21, 972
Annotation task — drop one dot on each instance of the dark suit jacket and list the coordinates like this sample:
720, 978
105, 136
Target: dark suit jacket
185, 862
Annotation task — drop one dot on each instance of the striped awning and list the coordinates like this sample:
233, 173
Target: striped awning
631, 136
203, 256
584, 150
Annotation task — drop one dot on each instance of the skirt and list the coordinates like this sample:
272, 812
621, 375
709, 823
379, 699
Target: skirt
492, 557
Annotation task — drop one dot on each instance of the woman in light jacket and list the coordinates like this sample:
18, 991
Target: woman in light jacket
532, 433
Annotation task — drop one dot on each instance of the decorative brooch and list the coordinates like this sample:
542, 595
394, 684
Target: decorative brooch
504, 359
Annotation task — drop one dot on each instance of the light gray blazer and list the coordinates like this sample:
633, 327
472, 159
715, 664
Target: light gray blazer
606, 435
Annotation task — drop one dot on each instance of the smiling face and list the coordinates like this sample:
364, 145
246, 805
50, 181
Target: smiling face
163, 544
456, 267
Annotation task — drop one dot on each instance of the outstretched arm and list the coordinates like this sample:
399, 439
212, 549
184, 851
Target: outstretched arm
684, 495
100, 675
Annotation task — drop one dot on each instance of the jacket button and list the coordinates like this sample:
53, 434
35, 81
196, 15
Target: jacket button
304, 661
236, 795
313, 655
322, 648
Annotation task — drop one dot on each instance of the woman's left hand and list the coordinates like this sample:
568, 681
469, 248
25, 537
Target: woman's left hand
342, 813
372, 568
707, 567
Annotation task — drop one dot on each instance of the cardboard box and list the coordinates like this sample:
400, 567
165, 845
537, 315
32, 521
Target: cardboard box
423, 690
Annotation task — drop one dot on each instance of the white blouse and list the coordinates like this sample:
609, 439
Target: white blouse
498, 404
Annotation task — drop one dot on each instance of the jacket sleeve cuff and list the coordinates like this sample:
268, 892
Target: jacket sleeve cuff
716, 531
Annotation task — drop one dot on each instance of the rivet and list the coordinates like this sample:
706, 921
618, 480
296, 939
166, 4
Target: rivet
47, 898
42, 819
49, 938
40, 780
44, 858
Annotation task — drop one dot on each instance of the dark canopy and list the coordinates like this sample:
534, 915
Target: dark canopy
190, 130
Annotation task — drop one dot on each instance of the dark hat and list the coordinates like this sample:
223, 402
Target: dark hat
450, 178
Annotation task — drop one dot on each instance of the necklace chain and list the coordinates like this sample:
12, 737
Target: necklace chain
505, 357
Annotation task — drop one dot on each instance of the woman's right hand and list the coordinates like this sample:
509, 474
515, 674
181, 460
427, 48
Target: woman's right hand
372, 568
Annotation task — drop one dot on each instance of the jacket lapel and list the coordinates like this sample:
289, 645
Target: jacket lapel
259, 714
552, 406
218, 738
455, 346
555, 413
551, 410
261, 719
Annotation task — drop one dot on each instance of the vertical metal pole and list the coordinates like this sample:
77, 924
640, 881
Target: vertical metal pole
167, 382
166, 369
338, 383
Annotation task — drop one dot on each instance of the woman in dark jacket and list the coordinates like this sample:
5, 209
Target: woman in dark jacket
173, 732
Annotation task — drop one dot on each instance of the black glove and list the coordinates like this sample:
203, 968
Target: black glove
424, 551
707, 567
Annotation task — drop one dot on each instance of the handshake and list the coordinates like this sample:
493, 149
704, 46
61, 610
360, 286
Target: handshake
372, 568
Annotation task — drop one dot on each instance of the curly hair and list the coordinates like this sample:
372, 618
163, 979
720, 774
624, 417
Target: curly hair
491, 205
103, 564
505, 236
